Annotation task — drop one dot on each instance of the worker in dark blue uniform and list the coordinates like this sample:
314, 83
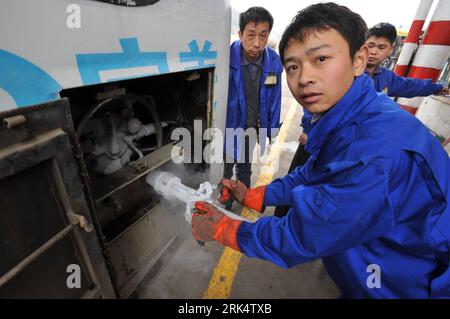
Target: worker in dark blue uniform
380, 42
254, 93
372, 200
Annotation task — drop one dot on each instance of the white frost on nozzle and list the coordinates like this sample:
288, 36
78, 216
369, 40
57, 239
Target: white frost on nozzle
171, 187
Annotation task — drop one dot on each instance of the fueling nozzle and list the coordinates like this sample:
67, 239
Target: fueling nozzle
170, 187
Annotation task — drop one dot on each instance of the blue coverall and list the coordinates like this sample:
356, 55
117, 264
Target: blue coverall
269, 99
374, 192
397, 86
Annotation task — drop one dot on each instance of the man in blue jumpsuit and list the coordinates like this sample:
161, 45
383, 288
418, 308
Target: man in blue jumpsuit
380, 42
372, 200
254, 92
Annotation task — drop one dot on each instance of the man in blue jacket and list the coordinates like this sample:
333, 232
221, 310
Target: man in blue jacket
254, 92
372, 200
380, 42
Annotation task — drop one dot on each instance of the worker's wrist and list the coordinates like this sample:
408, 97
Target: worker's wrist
226, 232
254, 198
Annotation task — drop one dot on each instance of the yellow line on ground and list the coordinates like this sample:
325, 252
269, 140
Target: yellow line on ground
223, 276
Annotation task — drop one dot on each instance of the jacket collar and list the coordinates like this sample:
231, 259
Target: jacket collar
236, 57
245, 61
377, 71
346, 109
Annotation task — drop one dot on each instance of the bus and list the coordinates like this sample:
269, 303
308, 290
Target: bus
90, 94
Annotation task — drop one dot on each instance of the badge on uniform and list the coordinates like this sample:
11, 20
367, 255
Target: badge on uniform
271, 79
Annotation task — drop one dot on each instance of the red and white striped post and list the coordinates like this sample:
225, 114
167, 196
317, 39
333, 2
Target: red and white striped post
411, 41
432, 53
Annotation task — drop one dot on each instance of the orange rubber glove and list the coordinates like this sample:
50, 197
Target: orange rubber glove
250, 197
208, 224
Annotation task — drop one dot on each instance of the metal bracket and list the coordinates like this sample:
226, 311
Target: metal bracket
76, 219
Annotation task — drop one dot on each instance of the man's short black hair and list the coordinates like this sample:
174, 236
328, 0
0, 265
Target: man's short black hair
257, 15
323, 16
385, 30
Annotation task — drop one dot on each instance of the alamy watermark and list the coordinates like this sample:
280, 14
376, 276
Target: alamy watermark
73, 21
74, 279
374, 279
223, 148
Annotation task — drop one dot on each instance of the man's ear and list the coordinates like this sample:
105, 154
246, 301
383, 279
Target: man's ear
360, 60
240, 35
392, 49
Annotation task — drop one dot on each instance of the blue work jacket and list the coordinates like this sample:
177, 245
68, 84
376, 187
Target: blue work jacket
393, 85
372, 200
269, 99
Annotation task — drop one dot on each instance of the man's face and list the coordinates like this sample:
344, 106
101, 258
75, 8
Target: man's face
379, 49
254, 39
319, 69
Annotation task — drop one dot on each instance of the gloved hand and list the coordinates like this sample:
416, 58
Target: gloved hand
209, 224
249, 197
225, 196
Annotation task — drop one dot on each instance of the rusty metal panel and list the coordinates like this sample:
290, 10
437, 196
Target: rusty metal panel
39, 190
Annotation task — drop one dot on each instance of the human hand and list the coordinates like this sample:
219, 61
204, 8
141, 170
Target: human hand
303, 139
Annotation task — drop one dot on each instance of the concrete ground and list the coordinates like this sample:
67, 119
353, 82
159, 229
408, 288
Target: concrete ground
188, 273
